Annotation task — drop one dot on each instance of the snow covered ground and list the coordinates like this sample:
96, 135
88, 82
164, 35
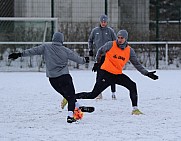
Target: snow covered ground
30, 111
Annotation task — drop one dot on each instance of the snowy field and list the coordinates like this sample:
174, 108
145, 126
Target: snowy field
30, 109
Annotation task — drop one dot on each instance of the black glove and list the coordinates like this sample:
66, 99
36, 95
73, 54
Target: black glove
152, 75
86, 59
95, 67
14, 56
91, 53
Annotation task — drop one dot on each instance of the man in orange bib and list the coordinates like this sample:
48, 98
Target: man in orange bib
117, 54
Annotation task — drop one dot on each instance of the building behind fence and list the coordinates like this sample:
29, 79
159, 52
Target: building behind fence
145, 20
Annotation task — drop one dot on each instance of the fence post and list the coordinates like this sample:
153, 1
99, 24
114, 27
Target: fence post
157, 31
166, 54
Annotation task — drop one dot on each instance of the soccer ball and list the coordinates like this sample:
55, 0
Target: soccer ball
78, 114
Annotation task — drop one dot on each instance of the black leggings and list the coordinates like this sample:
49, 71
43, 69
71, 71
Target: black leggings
64, 85
104, 80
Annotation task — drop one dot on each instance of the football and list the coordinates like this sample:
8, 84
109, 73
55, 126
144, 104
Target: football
78, 114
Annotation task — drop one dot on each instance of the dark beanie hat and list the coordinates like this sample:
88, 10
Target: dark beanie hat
103, 18
123, 33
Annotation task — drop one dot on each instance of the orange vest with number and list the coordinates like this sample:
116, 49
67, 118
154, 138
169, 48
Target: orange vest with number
116, 59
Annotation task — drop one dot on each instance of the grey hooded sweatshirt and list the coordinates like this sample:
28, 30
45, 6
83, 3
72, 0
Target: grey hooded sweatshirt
99, 36
56, 56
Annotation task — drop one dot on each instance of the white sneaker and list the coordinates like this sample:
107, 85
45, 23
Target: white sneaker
99, 96
113, 97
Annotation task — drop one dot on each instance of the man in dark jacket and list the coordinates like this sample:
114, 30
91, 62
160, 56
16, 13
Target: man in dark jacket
98, 37
117, 54
56, 57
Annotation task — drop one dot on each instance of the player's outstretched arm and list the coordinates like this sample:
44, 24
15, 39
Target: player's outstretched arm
152, 75
14, 56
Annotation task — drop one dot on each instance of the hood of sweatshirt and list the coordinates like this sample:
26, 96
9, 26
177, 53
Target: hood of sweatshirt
58, 38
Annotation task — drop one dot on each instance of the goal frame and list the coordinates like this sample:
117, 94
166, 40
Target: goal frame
33, 19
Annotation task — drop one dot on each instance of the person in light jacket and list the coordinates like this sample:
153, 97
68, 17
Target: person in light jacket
98, 37
56, 58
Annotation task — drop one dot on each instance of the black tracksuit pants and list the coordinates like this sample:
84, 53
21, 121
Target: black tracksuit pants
104, 80
64, 85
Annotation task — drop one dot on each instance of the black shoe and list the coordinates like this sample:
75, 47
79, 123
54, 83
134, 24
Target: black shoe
87, 109
71, 119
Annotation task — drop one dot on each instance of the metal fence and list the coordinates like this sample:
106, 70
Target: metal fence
145, 20
169, 56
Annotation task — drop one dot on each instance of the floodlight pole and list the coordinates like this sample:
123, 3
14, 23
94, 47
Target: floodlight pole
179, 19
105, 7
52, 15
157, 31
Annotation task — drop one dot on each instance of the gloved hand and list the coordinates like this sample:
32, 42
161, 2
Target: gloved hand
14, 56
86, 59
91, 53
152, 75
95, 67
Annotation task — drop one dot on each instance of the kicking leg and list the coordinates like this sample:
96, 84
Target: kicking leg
98, 88
64, 86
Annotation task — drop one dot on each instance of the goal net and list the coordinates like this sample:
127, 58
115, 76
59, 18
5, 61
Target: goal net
17, 34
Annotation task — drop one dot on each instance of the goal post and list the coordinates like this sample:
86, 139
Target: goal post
19, 33
20, 29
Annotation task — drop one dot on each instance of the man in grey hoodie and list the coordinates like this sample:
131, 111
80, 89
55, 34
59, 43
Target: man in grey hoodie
56, 57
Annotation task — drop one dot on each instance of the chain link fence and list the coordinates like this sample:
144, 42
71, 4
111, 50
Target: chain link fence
145, 20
